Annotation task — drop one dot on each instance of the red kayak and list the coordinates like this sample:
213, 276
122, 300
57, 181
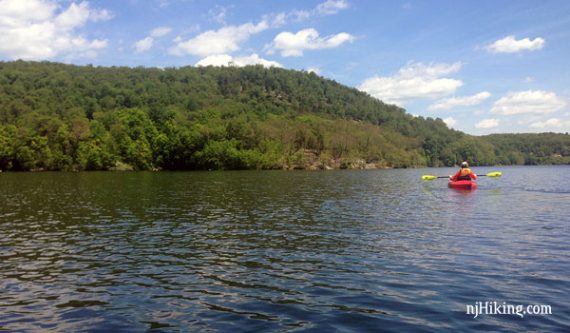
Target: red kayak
463, 184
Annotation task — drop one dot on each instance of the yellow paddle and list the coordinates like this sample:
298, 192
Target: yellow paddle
490, 174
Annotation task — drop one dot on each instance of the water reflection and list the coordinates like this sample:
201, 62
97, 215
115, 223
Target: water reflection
250, 251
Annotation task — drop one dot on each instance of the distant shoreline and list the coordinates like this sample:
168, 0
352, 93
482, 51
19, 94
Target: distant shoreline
369, 166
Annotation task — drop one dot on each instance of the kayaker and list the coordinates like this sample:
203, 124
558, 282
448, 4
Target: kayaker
464, 173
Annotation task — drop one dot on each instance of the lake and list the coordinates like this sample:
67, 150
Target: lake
249, 251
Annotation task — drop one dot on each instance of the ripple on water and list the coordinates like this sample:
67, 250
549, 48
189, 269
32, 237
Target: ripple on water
279, 251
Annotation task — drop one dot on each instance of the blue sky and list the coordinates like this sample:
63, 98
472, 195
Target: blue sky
482, 66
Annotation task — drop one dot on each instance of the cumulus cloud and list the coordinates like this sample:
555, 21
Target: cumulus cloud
41, 29
228, 60
510, 44
450, 103
529, 101
449, 121
487, 123
294, 44
552, 123
78, 15
146, 43
222, 41
416, 80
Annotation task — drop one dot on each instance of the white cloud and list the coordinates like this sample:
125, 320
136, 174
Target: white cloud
450, 121
146, 43
550, 123
414, 81
41, 29
74, 16
529, 101
222, 41
510, 44
450, 103
228, 60
293, 45
160, 32
528, 79
487, 123
15, 10
331, 7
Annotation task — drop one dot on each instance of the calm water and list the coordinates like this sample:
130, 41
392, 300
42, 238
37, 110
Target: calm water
282, 251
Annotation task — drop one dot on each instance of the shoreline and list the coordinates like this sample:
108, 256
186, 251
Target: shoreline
369, 166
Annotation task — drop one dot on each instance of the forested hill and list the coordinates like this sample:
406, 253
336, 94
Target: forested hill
64, 117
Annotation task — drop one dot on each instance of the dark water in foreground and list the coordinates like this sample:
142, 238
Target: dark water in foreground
282, 251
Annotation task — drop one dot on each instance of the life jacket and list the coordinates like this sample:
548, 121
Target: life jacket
464, 174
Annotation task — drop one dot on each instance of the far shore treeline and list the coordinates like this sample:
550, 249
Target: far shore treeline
65, 117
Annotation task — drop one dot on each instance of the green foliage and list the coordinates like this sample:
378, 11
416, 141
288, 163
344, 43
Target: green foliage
471, 149
90, 156
33, 152
226, 155
529, 149
7, 135
63, 117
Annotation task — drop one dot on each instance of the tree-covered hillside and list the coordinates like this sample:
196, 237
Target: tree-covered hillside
531, 149
64, 117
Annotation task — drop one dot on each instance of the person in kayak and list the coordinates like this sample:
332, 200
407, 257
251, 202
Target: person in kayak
464, 173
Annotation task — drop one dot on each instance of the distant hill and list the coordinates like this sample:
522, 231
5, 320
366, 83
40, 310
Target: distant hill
65, 117
531, 148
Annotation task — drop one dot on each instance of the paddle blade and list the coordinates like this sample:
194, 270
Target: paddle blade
494, 174
428, 177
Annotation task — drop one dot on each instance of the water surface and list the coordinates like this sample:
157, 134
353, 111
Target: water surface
374, 250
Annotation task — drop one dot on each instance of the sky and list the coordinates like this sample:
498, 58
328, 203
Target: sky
482, 66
